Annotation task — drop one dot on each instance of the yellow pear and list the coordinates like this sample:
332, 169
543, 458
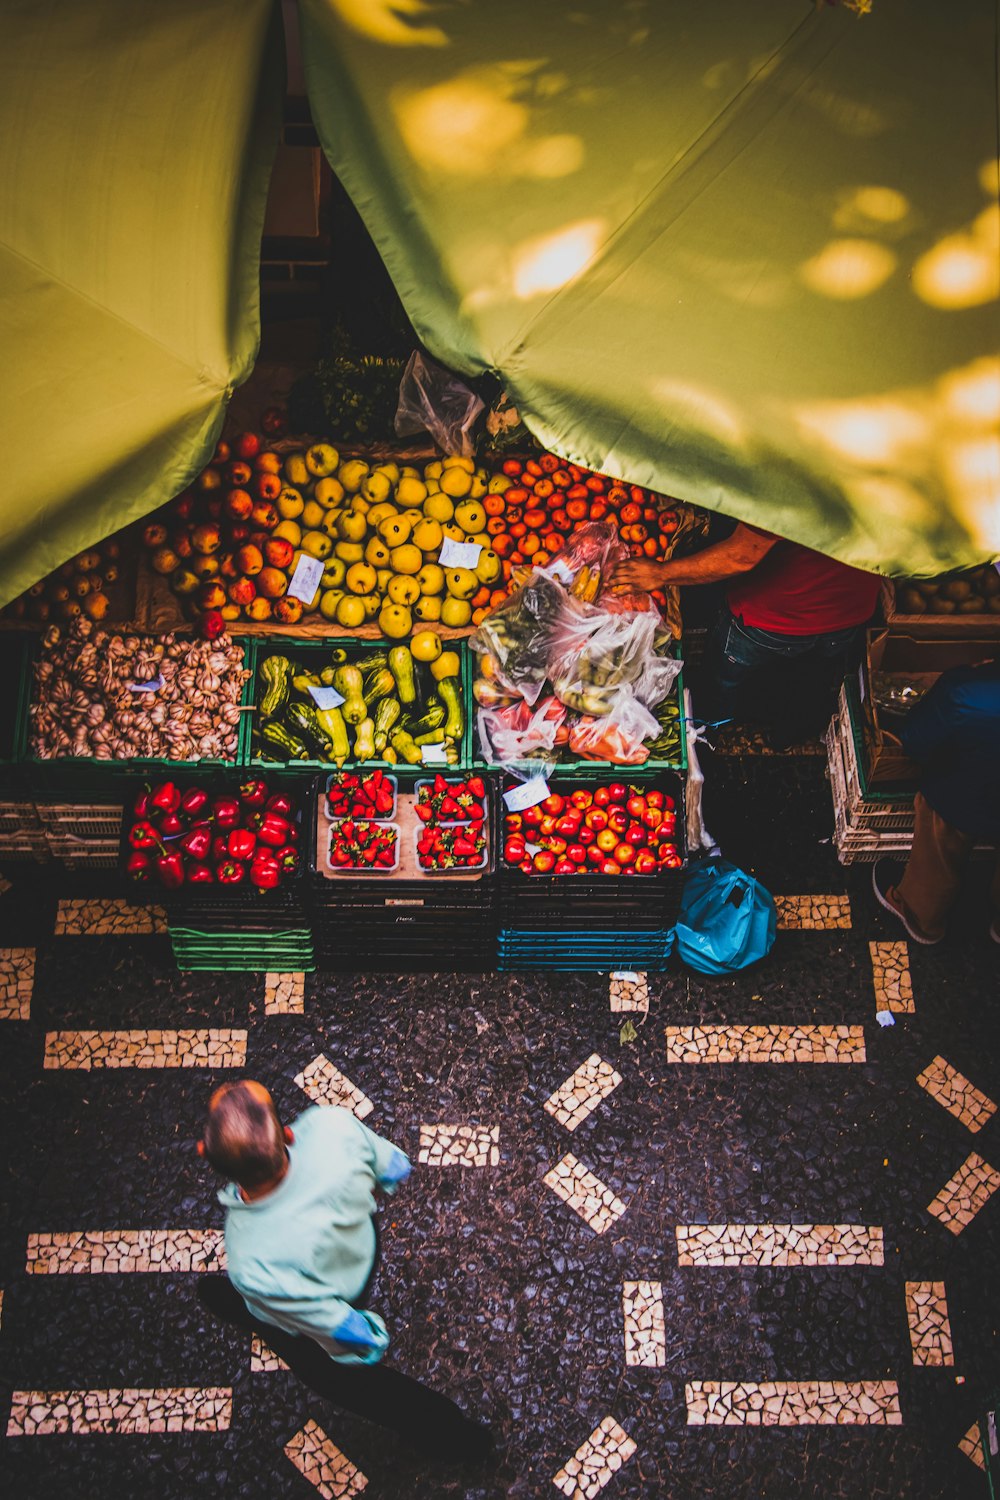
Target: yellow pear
407, 559
328, 491
471, 516
407, 471
427, 535
395, 530
377, 553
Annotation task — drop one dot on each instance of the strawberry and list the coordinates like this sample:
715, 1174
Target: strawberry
424, 811
477, 786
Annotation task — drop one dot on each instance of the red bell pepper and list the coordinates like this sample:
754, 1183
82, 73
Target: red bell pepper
141, 806
144, 836
226, 812
241, 843
229, 872
281, 804
265, 872
200, 875
139, 865
253, 793
194, 802
197, 842
171, 825
170, 868
219, 843
273, 830
288, 858
165, 798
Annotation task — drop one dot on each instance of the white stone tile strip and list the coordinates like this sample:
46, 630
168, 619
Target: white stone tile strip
224, 1048
325, 1084
780, 1245
645, 1330
117, 1252
792, 1403
129, 1410
263, 1360
319, 1460
17, 979
929, 1324
956, 1094
595, 1462
108, 919
971, 1446
629, 994
964, 1194
584, 1193
583, 1091
459, 1145
765, 1044
813, 913
284, 994
891, 977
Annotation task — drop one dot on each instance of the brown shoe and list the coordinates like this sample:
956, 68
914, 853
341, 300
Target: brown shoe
885, 875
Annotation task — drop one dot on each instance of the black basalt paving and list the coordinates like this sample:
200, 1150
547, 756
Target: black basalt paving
494, 1291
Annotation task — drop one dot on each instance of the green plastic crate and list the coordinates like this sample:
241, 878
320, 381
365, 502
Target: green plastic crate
313, 652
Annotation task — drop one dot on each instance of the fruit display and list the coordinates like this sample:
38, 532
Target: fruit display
353, 795
368, 847
442, 849
976, 592
453, 835
444, 801
193, 836
610, 829
79, 588
400, 705
119, 697
233, 540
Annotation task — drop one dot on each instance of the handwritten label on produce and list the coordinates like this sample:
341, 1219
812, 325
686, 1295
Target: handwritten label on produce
434, 755
627, 975
459, 554
326, 697
153, 686
528, 794
562, 571
305, 579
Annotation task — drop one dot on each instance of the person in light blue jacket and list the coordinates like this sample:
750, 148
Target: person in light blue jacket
302, 1250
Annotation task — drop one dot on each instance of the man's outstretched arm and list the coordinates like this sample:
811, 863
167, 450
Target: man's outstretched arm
726, 559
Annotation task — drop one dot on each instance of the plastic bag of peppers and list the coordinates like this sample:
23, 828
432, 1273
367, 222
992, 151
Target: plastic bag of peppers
189, 835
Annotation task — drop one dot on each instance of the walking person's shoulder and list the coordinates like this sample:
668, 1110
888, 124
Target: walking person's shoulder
324, 1122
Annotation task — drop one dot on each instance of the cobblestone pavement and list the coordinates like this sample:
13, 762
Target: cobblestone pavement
653, 1268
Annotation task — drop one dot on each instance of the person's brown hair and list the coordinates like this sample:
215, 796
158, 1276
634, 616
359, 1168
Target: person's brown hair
243, 1137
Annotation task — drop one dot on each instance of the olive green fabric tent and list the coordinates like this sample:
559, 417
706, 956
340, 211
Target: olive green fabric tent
747, 254
137, 145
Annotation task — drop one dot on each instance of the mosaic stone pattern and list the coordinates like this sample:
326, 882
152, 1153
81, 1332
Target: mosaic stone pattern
792, 1403
963, 1195
891, 977
459, 1145
284, 994
956, 1094
129, 1410
929, 1324
225, 1048
595, 1462
584, 1193
780, 1245
17, 980
321, 1462
971, 1446
628, 994
117, 1251
645, 1331
813, 913
583, 1091
325, 1084
765, 1044
108, 919
263, 1360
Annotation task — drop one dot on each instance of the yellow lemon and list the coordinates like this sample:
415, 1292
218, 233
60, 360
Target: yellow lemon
447, 665
403, 589
291, 531
427, 535
361, 578
407, 559
312, 515
428, 609
431, 579
426, 645
471, 517
438, 508
350, 611
411, 491
328, 492
456, 482
317, 544
395, 621
456, 613
461, 583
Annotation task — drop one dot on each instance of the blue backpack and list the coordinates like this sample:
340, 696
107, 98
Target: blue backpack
726, 920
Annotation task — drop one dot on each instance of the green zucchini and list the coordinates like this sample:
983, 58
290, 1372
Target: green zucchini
275, 673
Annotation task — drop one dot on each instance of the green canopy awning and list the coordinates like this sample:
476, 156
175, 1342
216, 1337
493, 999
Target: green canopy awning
747, 254
137, 146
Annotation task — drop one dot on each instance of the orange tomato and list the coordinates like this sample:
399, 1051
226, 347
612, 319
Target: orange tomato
495, 526
534, 519
639, 532
548, 463
561, 478
530, 544
625, 532
517, 558
516, 495
543, 489
630, 513
554, 542
578, 492
576, 509
480, 598
650, 546
668, 521
638, 493
598, 510
494, 505
479, 615
512, 467
576, 471
497, 597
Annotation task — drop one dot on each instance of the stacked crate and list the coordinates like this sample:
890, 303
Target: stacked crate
83, 836
867, 824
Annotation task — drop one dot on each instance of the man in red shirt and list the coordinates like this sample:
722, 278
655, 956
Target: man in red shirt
792, 627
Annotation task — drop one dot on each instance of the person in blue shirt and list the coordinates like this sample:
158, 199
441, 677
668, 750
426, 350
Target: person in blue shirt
953, 734
302, 1251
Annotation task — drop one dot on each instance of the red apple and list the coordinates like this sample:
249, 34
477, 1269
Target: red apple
610, 868
636, 807
239, 505
617, 792
625, 855
602, 796
222, 453
239, 474
595, 856
586, 835
206, 538
209, 479
577, 853
532, 817
250, 560
654, 799
645, 862
268, 486
553, 804
596, 818
513, 850
565, 867
617, 819
278, 551
607, 840
582, 799
544, 861
514, 822
635, 834
242, 591
652, 818
264, 515
248, 444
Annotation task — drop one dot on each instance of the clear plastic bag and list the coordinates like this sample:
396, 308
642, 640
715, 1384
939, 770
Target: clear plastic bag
514, 641
595, 652
521, 732
619, 736
432, 399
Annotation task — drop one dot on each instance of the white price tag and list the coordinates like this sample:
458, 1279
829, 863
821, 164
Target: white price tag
561, 570
532, 849
528, 794
459, 554
152, 686
306, 579
626, 974
434, 755
326, 697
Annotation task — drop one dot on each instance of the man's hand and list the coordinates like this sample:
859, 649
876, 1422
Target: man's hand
638, 573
